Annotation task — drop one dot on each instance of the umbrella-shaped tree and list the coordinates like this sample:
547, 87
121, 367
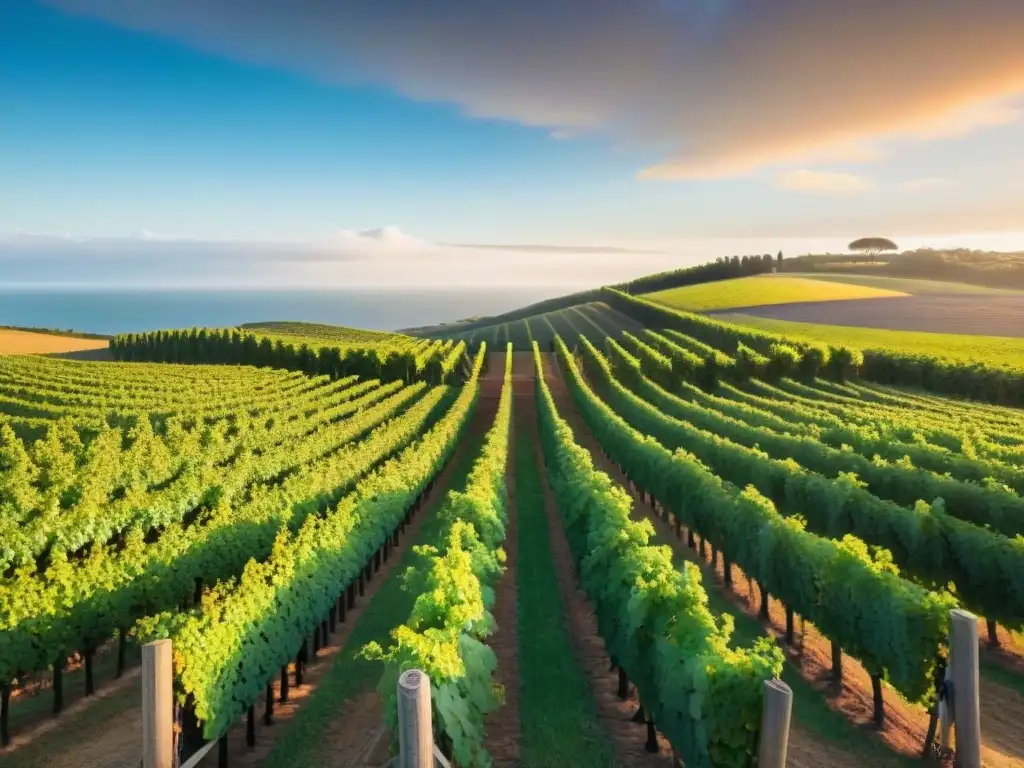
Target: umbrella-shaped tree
872, 246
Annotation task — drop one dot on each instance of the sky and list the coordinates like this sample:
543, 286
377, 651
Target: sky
366, 142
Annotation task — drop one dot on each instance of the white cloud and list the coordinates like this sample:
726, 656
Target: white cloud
148, 234
825, 182
380, 240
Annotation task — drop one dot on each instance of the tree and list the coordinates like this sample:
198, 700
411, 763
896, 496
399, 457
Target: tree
872, 246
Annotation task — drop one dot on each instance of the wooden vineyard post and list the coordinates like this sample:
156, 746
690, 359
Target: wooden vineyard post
415, 725
966, 701
157, 705
778, 707
5, 706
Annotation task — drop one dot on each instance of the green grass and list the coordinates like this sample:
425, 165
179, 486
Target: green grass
991, 350
913, 286
560, 726
761, 290
351, 676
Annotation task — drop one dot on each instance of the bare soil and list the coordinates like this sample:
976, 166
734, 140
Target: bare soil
82, 735
26, 342
31, 718
963, 313
1009, 654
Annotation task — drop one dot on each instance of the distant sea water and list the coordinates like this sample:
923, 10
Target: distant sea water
111, 312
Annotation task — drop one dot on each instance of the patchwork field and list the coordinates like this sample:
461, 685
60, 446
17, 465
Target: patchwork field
992, 315
993, 350
763, 290
908, 285
25, 343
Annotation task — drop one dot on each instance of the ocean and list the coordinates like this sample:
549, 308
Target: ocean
111, 312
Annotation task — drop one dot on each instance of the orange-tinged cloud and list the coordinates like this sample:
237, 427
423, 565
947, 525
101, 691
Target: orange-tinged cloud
722, 86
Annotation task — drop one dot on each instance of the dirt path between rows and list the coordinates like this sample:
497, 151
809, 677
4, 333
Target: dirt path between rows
81, 736
906, 724
31, 706
616, 715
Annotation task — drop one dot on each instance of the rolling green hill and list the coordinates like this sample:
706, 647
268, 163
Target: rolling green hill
763, 290
595, 320
321, 332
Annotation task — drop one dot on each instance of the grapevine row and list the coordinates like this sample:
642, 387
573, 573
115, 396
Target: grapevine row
986, 568
989, 506
80, 604
446, 631
855, 598
244, 632
96, 514
884, 365
703, 695
201, 345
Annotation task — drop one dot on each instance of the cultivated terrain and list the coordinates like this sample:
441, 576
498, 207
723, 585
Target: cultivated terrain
599, 524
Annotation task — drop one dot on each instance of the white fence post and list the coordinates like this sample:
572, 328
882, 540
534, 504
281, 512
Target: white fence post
157, 705
778, 707
415, 724
966, 698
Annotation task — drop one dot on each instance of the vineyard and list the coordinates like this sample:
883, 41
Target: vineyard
602, 542
320, 333
595, 320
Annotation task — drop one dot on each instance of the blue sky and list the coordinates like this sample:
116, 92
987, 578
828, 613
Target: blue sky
112, 131
688, 129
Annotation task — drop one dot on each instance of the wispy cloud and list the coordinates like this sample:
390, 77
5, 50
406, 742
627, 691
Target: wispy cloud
382, 240
384, 258
727, 87
553, 249
825, 182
